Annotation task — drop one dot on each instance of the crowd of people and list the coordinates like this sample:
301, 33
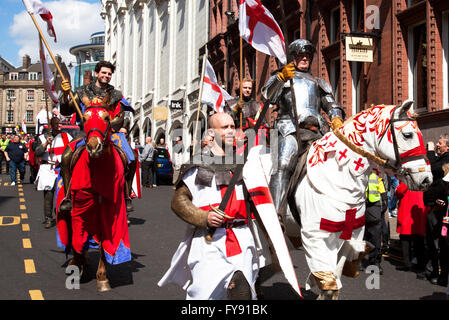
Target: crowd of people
422, 219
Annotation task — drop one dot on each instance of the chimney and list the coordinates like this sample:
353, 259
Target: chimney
26, 61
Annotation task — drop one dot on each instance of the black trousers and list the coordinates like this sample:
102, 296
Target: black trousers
413, 246
147, 173
437, 246
48, 203
373, 232
3, 158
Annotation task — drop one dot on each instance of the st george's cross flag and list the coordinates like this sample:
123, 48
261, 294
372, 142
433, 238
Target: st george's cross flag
37, 7
48, 77
213, 94
259, 28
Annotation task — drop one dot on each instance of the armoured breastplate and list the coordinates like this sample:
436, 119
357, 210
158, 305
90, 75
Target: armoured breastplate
307, 98
307, 94
92, 91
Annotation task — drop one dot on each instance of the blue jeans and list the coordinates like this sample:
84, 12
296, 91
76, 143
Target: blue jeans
13, 166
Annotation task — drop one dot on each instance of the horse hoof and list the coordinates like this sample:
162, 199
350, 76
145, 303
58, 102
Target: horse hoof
103, 285
328, 295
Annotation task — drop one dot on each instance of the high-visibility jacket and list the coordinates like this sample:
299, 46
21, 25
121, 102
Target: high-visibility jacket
4, 144
375, 188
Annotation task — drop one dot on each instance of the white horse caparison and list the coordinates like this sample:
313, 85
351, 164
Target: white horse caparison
331, 197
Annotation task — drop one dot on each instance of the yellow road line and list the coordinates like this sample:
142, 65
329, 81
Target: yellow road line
21, 194
22, 207
25, 227
36, 295
26, 243
19, 185
23, 216
19, 189
21, 200
5, 184
29, 266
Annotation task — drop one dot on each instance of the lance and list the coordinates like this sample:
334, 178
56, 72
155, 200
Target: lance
57, 66
199, 101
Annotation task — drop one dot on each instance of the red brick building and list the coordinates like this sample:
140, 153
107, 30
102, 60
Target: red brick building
410, 45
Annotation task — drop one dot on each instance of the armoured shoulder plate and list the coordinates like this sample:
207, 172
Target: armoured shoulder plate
325, 86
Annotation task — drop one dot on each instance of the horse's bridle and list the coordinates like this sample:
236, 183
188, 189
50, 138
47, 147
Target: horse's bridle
105, 133
396, 166
411, 155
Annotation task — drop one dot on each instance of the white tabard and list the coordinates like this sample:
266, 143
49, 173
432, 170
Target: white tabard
205, 269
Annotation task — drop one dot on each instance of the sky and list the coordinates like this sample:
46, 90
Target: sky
73, 20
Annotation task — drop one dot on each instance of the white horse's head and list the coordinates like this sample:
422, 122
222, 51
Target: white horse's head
401, 144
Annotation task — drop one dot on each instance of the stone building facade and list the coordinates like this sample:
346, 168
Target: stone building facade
157, 47
22, 95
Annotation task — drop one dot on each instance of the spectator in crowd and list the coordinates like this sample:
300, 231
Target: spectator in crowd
393, 183
376, 203
162, 144
178, 154
16, 153
3, 144
411, 227
436, 198
147, 160
155, 155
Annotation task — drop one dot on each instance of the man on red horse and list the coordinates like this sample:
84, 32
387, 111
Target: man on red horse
98, 89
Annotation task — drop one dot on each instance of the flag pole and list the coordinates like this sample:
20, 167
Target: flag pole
203, 68
57, 66
241, 80
43, 81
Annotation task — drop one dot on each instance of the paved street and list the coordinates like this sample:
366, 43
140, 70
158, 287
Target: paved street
33, 267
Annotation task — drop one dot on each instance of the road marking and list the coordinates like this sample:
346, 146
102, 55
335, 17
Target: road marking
15, 220
22, 207
25, 227
26, 243
21, 200
19, 185
21, 194
29, 266
23, 216
19, 189
36, 295
6, 183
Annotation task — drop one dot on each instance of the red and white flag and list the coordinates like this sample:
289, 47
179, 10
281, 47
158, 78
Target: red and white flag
259, 28
37, 7
213, 94
48, 78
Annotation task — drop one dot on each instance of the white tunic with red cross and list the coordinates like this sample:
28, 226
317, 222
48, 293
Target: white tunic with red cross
331, 199
47, 174
205, 269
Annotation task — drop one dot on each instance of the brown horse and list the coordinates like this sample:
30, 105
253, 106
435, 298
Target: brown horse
97, 191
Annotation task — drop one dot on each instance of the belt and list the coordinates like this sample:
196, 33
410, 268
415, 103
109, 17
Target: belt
233, 224
48, 162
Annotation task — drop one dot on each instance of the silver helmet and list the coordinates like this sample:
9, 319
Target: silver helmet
301, 46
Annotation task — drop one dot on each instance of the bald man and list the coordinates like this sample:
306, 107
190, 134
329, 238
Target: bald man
225, 267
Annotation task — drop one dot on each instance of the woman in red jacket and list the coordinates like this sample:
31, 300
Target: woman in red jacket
411, 226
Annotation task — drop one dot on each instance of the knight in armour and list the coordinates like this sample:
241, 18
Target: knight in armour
312, 96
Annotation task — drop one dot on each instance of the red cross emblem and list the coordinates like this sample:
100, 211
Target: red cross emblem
257, 14
332, 144
342, 154
347, 226
358, 164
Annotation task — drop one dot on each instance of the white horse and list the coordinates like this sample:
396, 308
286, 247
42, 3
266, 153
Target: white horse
331, 197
